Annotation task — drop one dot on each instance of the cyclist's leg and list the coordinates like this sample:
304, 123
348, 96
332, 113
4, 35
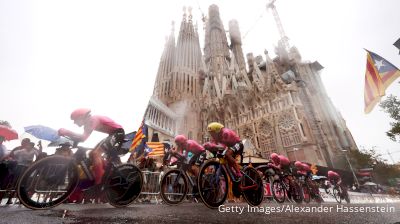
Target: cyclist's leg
108, 144
194, 169
229, 155
98, 165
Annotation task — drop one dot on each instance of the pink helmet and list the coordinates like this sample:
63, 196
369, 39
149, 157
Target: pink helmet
274, 157
180, 139
80, 113
331, 173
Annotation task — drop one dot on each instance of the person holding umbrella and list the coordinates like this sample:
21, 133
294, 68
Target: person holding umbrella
3, 149
6, 133
25, 156
26, 144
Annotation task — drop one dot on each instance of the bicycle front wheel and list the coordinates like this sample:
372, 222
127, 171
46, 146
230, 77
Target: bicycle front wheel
337, 194
174, 187
213, 184
252, 183
48, 182
124, 185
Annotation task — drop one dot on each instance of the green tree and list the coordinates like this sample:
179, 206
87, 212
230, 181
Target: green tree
369, 158
364, 157
392, 106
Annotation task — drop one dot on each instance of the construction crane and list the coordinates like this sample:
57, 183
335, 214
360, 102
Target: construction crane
284, 39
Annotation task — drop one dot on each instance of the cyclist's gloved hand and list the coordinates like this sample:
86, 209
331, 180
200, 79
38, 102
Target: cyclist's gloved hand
210, 147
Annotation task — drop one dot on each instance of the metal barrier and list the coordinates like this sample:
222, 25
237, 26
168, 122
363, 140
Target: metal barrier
9, 182
151, 185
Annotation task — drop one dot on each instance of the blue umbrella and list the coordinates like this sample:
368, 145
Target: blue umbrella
42, 132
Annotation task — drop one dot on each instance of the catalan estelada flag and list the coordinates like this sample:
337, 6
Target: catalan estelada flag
157, 149
378, 76
140, 137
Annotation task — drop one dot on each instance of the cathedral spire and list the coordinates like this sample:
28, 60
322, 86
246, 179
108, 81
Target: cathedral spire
188, 45
216, 54
163, 82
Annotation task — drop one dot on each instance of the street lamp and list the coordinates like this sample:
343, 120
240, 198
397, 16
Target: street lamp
351, 167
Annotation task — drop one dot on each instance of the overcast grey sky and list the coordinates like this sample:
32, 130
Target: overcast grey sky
56, 56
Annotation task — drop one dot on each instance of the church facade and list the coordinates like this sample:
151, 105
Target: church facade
278, 104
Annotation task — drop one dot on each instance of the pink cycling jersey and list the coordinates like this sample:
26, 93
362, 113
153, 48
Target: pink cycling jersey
94, 123
306, 167
284, 161
194, 147
302, 168
227, 137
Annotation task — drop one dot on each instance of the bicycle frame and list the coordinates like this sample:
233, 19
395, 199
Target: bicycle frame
235, 180
183, 168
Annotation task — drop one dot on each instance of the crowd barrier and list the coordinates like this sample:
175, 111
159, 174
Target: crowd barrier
151, 186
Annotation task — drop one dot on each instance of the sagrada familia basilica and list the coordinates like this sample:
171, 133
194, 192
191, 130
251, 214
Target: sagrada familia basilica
277, 104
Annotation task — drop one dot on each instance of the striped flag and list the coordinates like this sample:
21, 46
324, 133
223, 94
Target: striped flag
140, 137
156, 149
378, 76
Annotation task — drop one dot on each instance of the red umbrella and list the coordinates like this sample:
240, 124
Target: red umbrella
8, 133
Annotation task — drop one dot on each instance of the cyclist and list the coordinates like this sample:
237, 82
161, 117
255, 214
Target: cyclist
334, 178
280, 162
90, 123
302, 168
185, 146
225, 138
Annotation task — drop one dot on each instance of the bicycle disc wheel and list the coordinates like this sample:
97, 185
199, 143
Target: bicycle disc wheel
213, 184
124, 185
278, 191
254, 195
48, 182
306, 193
174, 187
336, 194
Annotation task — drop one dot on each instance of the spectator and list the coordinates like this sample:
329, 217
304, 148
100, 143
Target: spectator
3, 149
25, 143
64, 150
26, 155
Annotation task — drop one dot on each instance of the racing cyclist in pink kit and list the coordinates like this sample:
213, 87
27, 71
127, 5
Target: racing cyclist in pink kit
280, 162
184, 144
335, 179
90, 123
225, 138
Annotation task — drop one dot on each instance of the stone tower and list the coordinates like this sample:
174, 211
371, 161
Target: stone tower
178, 78
279, 105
